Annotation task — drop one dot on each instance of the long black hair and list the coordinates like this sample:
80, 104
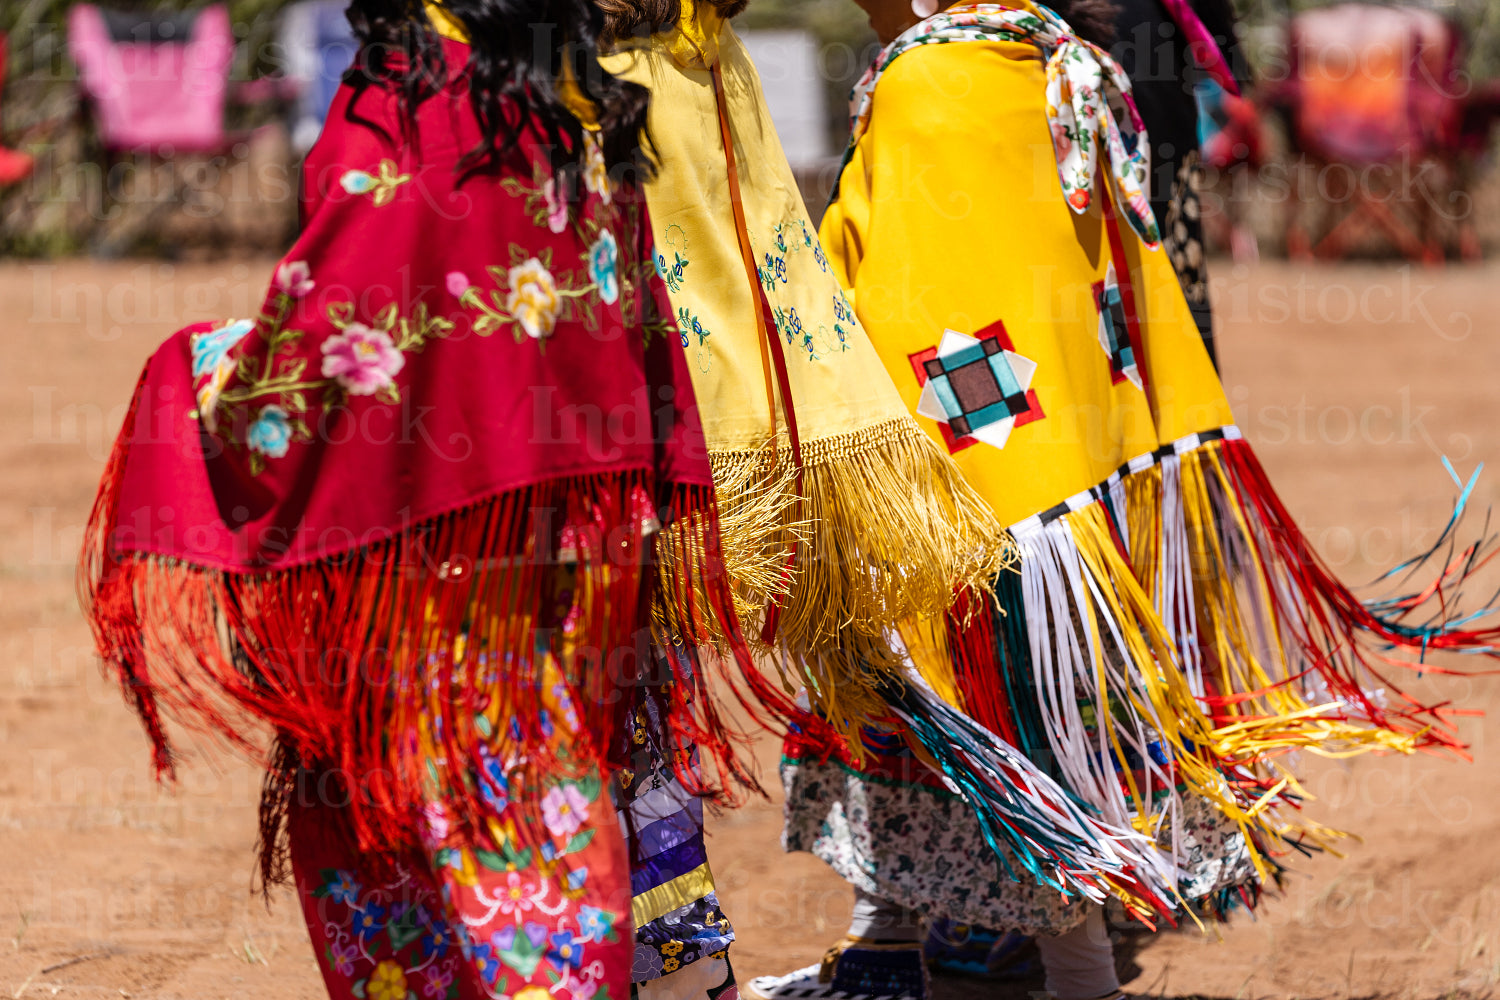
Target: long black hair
519, 50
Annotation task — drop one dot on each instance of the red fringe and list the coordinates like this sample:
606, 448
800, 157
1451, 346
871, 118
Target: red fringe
973, 646
383, 668
1331, 625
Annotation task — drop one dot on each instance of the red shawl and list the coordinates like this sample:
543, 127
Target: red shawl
455, 453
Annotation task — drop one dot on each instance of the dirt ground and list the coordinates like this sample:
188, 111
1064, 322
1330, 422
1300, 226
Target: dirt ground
1351, 382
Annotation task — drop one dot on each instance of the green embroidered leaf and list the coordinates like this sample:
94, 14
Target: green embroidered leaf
389, 393
580, 840
386, 318
493, 860
484, 725
523, 956
404, 930
520, 859
358, 989
341, 314
589, 786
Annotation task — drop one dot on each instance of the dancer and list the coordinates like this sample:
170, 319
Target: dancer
440, 517
1168, 48
1170, 635
840, 517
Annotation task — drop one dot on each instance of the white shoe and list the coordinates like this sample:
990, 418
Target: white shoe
852, 970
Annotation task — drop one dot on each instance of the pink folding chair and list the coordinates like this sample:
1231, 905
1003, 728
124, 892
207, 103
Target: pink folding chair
155, 85
154, 82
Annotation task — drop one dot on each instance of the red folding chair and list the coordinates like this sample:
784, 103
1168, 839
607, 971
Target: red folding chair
1375, 104
15, 166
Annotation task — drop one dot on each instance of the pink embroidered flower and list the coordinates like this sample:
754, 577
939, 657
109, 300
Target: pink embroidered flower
1060, 140
458, 283
294, 279
564, 809
557, 210
435, 829
533, 298
362, 360
518, 896
438, 981
343, 958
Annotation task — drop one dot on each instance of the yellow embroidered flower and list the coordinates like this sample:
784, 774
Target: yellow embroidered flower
387, 982
670, 965
533, 298
532, 993
671, 948
208, 394
595, 173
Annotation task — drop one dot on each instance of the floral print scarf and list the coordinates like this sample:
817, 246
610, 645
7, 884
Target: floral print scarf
1087, 92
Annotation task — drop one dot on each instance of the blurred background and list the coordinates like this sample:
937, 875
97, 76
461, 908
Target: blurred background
175, 127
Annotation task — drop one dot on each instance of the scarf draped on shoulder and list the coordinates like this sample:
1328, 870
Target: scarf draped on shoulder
1089, 107
452, 471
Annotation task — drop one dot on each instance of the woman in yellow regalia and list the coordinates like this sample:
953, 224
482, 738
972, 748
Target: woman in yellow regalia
1170, 635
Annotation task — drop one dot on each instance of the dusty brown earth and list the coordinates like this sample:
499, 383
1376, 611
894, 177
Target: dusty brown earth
1351, 382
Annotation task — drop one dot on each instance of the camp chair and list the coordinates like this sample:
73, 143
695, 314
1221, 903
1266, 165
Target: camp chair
15, 166
1373, 90
155, 86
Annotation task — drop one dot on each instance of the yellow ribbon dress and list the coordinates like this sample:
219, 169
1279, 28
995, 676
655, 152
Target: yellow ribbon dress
1168, 616
861, 523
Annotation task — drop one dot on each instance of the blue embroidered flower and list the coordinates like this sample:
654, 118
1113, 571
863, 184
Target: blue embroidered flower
688, 323
604, 258
595, 924
343, 889
210, 349
781, 269
271, 434
369, 921
357, 182
494, 787
488, 964
435, 941
660, 260
566, 951
820, 256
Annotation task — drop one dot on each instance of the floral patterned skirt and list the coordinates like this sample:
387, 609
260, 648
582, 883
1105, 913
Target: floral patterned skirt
892, 828
544, 916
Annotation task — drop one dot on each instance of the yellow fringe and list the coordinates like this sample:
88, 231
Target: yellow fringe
887, 530
1277, 717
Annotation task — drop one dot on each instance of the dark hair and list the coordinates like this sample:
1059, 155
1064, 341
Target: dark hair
623, 18
1094, 20
519, 49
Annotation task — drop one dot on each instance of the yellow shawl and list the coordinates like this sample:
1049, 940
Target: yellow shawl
1018, 265
886, 526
